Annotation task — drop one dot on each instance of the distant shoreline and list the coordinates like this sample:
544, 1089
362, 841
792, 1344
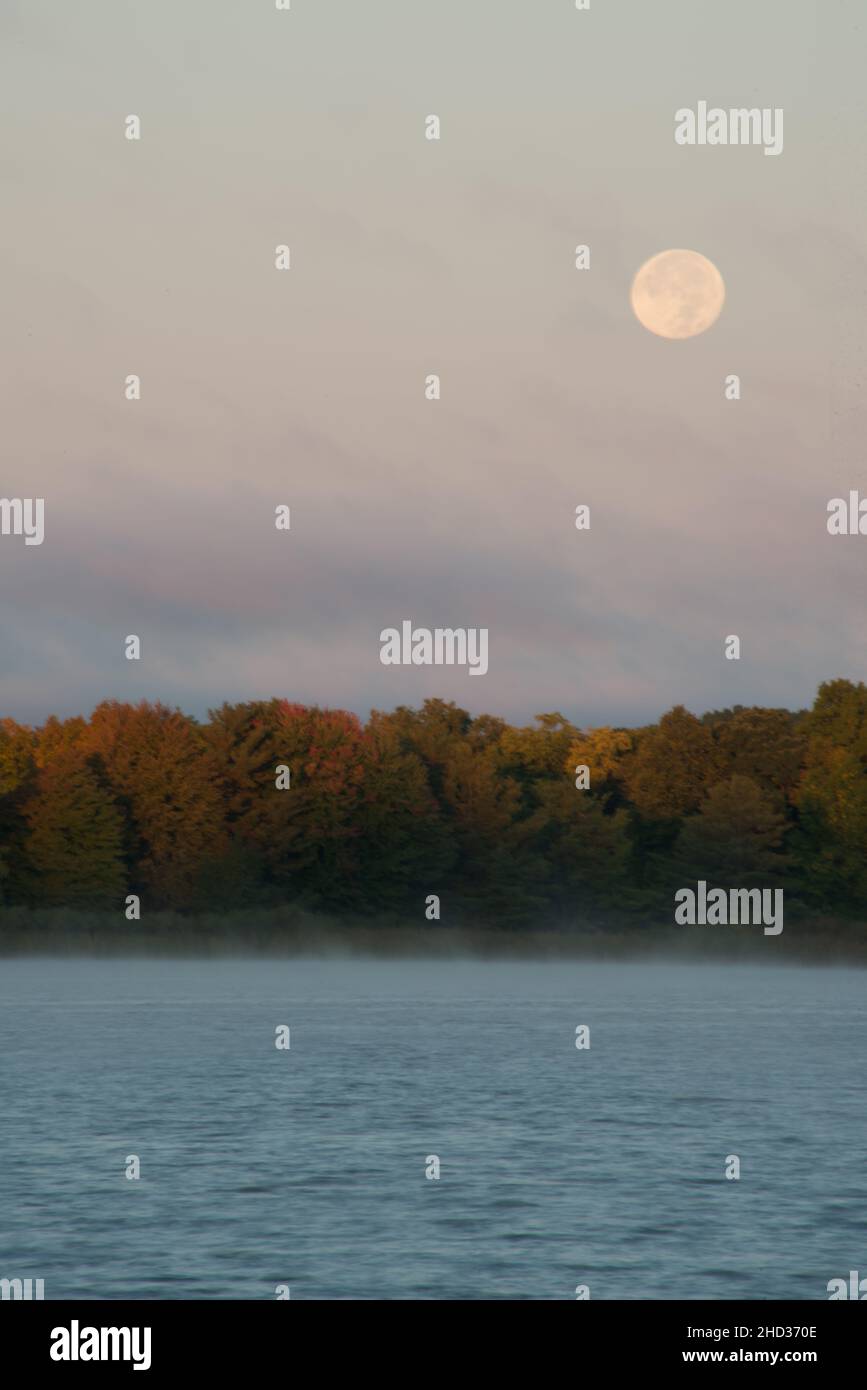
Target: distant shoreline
290, 933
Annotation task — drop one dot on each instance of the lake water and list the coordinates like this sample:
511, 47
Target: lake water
306, 1167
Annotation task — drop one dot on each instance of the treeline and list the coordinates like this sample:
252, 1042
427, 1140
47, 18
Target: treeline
377, 817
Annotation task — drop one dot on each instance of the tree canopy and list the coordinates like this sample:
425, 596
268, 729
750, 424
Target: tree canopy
371, 818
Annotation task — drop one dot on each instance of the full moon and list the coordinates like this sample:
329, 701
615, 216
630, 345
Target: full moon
677, 294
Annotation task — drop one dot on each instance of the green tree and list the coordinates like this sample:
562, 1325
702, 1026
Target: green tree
585, 850
831, 839
404, 848
301, 836
736, 839
73, 850
17, 784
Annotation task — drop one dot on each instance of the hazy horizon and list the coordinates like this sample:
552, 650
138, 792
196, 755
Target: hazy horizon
203, 715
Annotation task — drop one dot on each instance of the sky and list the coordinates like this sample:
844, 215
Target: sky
305, 387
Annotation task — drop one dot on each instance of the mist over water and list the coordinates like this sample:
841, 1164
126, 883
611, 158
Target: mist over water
306, 1167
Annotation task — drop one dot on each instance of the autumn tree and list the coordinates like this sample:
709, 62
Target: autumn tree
673, 765
433, 732
57, 735
539, 751
160, 767
17, 756
273, 802
73, 850
766, 745
604, 752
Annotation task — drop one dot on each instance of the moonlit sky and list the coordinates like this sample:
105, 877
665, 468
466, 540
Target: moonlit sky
408, 257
